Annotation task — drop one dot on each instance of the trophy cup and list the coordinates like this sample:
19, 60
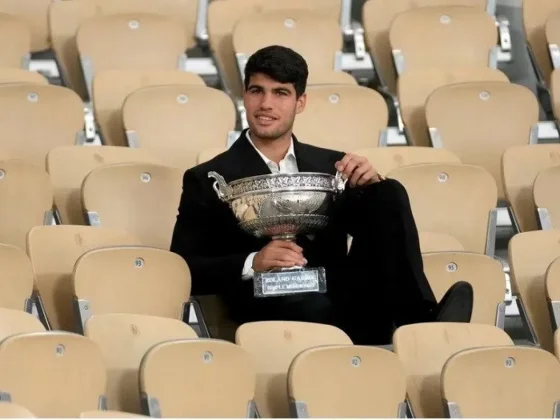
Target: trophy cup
282, 206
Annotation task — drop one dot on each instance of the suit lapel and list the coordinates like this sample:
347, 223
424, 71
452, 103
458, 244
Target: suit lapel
244, 161
308, 161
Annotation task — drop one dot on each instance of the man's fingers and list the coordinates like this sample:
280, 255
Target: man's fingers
288, 245
359, 173
367, 177
350, 168
288, 255
341, 164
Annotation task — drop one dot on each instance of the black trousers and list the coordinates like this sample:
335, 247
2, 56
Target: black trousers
380, 285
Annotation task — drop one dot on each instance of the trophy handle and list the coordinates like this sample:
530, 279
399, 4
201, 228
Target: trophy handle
339, 182
220, 185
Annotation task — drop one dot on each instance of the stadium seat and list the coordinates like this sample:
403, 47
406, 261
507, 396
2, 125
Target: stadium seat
198, 378
552, 289
14, 321
545, 195
530, 254
385, 159
423, 350
53, 251
26, 195
108, 414
111, 88
273, 345
69, 166
139, 41
123, 340
485, 274
462, 202
36, 118
438, 242
520, 167
53, 374
176, 122
35, 14
10, 410
8, 76
209, 154
16, 53
552, 33
65, 19
378, 16
141, 198
343, 117
330, 77
528, 380
17, 279
131, 280
415, 86
479, 120
346, 382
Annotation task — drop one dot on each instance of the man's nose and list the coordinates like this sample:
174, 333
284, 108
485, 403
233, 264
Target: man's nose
266, 102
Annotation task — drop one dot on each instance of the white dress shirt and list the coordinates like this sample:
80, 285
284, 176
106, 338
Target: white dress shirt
287, 165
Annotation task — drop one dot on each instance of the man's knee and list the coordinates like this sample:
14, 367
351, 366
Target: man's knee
390, 192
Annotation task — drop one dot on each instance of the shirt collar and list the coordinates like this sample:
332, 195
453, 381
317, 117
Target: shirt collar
291, 152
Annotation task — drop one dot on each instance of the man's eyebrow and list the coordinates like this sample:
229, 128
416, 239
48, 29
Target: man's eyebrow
255, 86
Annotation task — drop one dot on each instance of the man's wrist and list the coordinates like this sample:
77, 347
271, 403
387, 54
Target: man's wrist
248, 272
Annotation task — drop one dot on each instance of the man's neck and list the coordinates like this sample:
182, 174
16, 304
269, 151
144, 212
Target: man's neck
275, 149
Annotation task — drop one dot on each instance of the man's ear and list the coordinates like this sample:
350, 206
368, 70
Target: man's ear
300, 104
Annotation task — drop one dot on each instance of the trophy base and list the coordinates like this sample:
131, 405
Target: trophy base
290, 281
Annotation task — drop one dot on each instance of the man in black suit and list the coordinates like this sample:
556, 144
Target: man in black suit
377, 285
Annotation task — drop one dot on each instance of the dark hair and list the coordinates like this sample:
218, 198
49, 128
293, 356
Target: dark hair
281, 64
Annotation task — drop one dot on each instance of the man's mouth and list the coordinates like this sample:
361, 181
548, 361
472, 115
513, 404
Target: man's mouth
265, 118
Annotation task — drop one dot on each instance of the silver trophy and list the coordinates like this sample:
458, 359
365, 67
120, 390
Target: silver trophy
282, 206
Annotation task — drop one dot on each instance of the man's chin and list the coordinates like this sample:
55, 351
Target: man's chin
267, 134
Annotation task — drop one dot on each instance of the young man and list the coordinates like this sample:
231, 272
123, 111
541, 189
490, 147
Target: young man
378, 285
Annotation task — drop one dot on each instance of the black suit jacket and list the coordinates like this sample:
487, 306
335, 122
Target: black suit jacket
207, 234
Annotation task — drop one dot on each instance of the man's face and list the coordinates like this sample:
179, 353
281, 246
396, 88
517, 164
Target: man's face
271, 106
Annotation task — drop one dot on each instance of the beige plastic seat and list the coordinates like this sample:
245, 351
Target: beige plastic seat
552, 290
224, 14
111, 88
545, 195
15, 53
141, 41
208, 154
520, 167
485, 274
10, 410
14, 321
479, 121
462, 201
520, 382
530, 254
26, 195
385, 159
141, 198
108, 414
69, 166
123, 340
35, 14
53, 251
555, 92
13, 76
66, 17
273, 345
347, 382
198, 378
53, 374
552, 33
415, 86
343, 117
438, 242
57, 114
176, 122
17, 279
423, 350
377, 18
330, 77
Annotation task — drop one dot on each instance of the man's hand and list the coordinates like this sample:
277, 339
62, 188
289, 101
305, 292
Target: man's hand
279, 253
357, 170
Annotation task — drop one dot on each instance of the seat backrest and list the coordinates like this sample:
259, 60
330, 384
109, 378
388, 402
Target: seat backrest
53, 251
346, 382
16, 321
68, 167
14, 53
108, 414
26, 195
16, 279
528, 380
57, 114
479, 120
273, 345
530, 254
113, 193
35, 15
552, 31
53, 374
378, 16
535, 14
520, 167
11, 410
330, 77
123, 340
178, 121
208, 154
134, 280
224, 14
423, 350
545, 194
17, 76
461, 198
415, 86
485, 274
438, 242
342, 117
317, 37
111, 88
555, 93
186, 378
552, 290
